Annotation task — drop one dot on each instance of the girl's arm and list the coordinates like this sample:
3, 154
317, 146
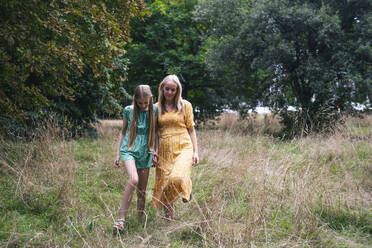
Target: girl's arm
123, 131
194, 141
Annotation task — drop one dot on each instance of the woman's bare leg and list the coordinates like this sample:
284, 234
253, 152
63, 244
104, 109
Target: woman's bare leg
130, 167
143, 176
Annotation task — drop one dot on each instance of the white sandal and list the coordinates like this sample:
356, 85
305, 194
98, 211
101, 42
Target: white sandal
119, 225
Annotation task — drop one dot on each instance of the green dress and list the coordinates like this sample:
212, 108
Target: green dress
139, 152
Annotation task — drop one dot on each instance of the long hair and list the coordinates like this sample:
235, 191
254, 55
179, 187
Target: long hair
177, 98
142, 91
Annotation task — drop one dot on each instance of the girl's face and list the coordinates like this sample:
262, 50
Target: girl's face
143, 103
169, 90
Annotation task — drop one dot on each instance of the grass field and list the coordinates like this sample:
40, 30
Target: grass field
250, 190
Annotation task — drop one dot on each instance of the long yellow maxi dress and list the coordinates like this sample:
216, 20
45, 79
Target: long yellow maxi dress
172, 175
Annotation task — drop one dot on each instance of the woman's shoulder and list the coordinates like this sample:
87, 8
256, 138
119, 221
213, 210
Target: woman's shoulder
186, 103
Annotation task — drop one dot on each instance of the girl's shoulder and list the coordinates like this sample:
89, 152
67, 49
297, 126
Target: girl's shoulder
156, 106
128, 108
127, 111
156, 110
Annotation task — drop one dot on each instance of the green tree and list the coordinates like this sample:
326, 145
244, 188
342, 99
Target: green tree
62, 58
169, 41
315, 55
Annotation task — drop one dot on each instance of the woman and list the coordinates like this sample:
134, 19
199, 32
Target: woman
176, 147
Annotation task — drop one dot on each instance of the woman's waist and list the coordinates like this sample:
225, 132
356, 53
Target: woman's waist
163, 134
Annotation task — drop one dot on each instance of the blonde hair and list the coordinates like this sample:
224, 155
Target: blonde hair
177, 98
142, 91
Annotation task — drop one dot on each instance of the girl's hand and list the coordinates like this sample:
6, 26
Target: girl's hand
195, 159
155, 159
116, 162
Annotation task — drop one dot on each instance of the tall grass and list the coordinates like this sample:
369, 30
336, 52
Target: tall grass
36, 179
253, 124
250, 190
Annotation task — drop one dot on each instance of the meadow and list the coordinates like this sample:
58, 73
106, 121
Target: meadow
251, 189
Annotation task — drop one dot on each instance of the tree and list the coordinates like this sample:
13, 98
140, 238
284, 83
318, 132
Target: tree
314, 55
169, 41
62, 58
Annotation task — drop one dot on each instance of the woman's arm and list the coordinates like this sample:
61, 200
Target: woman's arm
194, 141
123, 131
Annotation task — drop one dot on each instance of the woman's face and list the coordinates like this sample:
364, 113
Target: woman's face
169, 90
143, 103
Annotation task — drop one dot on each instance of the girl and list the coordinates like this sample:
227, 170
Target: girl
178, 149
136, 149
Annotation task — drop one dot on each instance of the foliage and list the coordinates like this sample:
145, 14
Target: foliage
314, 55
169, 41
62, 58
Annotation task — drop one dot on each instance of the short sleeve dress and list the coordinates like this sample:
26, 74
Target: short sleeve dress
172, 175
139, 152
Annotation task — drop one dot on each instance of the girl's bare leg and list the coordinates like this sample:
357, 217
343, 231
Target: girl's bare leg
130, 167
143, 176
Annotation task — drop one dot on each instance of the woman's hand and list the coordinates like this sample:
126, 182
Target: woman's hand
195, 159
155, 159
194, 141
116, 162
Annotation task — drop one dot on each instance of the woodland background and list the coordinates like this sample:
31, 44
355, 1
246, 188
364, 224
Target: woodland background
80, 60
299, 176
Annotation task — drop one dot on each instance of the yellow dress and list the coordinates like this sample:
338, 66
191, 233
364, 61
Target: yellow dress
172, 175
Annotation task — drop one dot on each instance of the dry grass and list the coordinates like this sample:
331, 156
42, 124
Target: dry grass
36, 181
250, 190
41, 165
254, 124
288, 190
108, 128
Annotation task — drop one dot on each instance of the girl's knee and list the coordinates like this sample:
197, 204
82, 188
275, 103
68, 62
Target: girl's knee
133, 181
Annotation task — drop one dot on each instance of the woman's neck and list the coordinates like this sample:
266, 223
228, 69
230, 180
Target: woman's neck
169, 103
169, 106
